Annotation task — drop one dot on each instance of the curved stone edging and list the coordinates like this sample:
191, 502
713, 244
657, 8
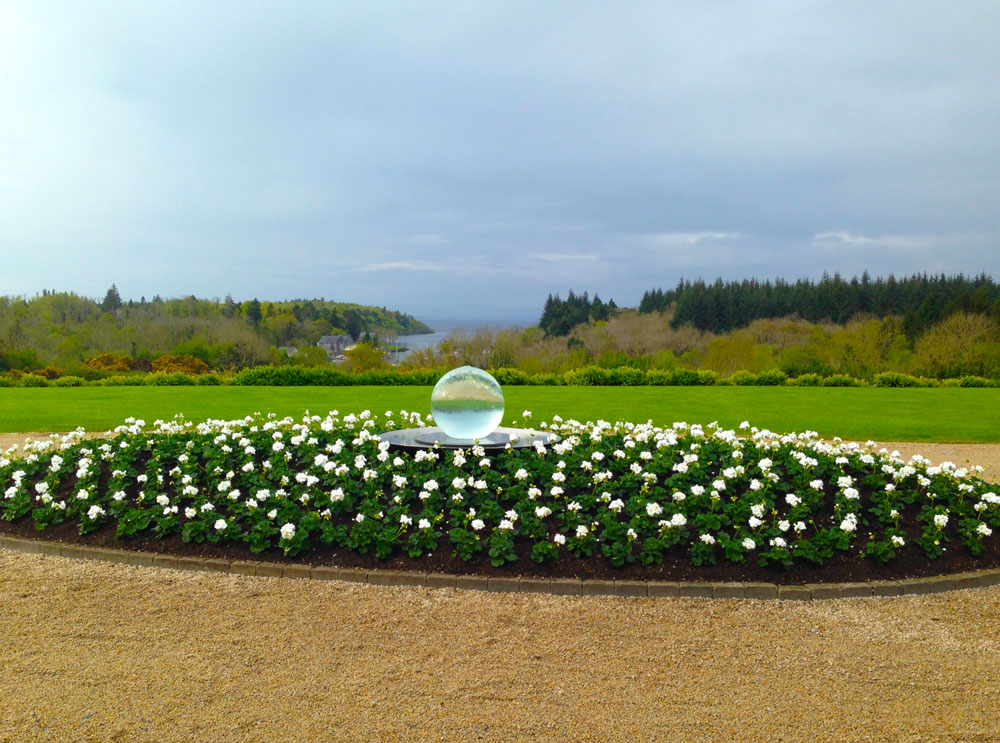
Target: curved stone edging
556, 586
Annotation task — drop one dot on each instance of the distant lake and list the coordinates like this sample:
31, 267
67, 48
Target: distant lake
418, 342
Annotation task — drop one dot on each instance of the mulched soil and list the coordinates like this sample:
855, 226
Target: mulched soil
842, 567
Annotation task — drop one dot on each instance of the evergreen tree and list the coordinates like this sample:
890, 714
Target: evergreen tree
112, 300
253, 312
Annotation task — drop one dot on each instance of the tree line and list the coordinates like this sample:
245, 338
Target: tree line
560, 316
65, 329
921, 301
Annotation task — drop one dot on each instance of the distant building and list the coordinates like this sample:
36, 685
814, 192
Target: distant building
290, 350
335, 345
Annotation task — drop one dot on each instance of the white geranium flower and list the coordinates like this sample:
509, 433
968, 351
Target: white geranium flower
654, 509
288, 531
424, 524
941, 520
582, 531
221, 525
707, 538
749, 544
477, 524
559, 539
984, 530
898, 540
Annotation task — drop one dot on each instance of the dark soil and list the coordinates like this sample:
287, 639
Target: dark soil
842, 567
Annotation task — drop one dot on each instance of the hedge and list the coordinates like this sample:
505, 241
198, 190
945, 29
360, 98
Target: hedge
589, 376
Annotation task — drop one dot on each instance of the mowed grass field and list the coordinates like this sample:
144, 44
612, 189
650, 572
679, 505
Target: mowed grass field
951, 415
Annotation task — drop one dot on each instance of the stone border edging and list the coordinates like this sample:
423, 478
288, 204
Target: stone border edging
556, 586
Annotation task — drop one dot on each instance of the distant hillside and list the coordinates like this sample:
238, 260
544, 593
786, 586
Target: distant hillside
64, 329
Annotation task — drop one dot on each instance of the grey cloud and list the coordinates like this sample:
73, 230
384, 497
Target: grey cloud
497, 152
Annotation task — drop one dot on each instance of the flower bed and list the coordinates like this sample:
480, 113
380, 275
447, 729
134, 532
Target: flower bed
622, 498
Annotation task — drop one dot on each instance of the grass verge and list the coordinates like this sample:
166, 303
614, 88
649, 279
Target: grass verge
945, 415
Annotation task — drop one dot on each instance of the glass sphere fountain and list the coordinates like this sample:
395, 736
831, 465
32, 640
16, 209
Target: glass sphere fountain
468, 405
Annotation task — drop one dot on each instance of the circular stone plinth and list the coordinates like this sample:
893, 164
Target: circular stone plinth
428, 438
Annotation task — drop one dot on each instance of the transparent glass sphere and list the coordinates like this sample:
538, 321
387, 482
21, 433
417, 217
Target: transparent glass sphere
467, 403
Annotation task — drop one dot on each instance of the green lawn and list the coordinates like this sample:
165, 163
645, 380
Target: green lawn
947, 415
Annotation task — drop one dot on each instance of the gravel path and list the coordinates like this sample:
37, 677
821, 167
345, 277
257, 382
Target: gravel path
96, 651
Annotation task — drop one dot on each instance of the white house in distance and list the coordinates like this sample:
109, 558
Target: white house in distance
335, 345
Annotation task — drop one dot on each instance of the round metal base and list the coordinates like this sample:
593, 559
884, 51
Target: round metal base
428, 438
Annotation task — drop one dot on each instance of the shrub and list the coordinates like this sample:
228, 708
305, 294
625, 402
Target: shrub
171, 379
109, 362
628, 376
7, 381
741, 379
33, 380
507, 376
68, 381
428, 376
588, 376
548, 379
895, 379
209, 380
658, 377
122, 380
807, 380
975, 382
842, 380
772, 378
292, 376
182, 363
49, 372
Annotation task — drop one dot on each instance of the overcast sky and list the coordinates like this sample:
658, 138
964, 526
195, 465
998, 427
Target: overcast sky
464, 159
